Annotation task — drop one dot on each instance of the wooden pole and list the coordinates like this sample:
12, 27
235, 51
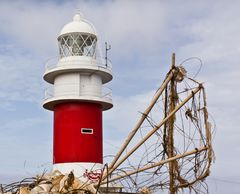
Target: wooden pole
143, 117
170, 131
166, 109
147, 167
153, 131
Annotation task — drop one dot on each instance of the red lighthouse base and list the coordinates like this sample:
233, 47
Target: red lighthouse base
77, 133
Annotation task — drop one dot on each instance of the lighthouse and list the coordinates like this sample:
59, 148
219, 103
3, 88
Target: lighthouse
78, 97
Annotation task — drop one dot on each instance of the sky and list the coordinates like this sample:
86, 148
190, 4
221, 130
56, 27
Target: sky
143, 35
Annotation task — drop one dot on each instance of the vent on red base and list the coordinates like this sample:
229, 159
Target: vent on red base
87, 131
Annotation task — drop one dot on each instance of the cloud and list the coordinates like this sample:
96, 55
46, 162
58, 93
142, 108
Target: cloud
215, 36
19, 77
127, 109
32, 25
23, 142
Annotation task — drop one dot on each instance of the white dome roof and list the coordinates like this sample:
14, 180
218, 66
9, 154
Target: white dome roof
78, 25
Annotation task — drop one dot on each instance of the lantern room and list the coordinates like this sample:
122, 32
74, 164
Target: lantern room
78, 38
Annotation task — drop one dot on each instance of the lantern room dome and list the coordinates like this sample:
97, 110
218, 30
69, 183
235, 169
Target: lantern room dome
78, 25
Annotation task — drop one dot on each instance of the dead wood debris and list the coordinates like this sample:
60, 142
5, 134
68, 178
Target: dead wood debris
53, 183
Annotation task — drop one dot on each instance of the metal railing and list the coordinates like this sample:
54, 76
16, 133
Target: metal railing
99, 62
106, 93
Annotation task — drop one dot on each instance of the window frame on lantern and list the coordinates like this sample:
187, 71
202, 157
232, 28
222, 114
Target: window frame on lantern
87, 48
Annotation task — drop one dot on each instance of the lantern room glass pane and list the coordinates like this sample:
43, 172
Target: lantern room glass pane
77, 44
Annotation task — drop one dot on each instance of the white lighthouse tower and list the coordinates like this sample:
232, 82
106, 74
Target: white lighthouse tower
77, 100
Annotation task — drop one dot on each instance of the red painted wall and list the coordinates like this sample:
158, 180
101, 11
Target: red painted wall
69, 144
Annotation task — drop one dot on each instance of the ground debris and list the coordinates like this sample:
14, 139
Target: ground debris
145, 190
52, 183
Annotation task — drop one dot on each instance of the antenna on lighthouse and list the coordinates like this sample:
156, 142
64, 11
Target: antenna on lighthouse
107, 48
